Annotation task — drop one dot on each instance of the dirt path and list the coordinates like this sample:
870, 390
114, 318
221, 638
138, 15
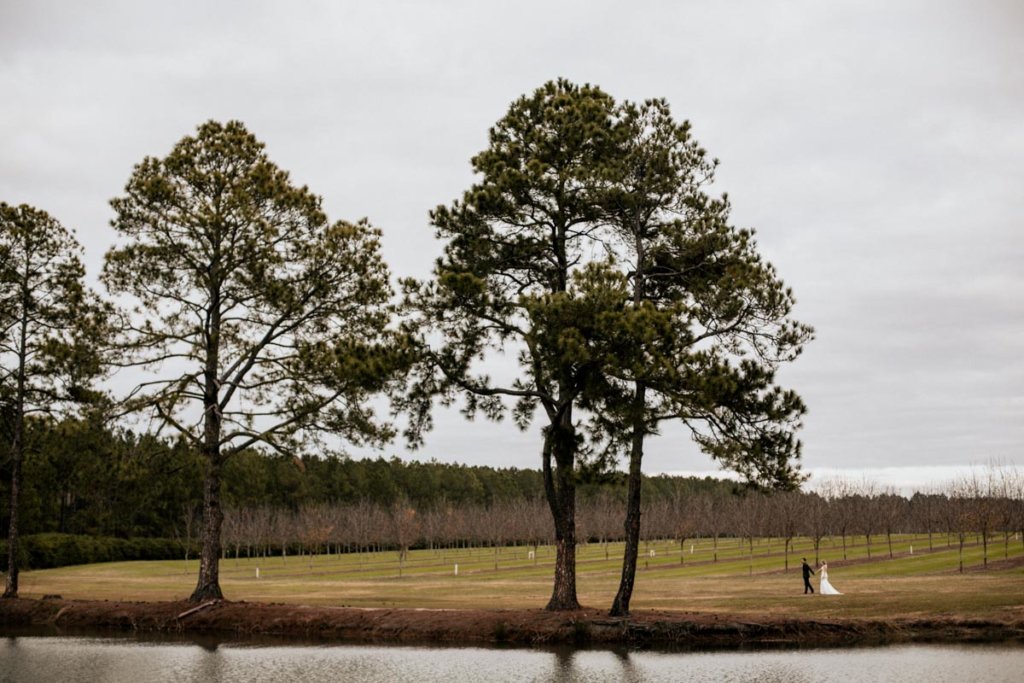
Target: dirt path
523, 627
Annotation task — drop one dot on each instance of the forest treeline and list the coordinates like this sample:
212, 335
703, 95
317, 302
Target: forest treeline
84, 478
118, 495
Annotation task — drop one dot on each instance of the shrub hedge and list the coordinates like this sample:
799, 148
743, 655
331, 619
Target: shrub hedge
45, 551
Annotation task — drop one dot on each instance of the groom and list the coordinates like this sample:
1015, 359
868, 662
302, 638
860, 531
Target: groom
807, 577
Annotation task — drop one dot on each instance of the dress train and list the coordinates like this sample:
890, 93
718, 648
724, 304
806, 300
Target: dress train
825, 588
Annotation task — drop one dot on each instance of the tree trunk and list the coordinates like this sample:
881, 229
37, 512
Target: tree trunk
208, 586
11, 585
62, 517
560, 490
620, 606
17, 455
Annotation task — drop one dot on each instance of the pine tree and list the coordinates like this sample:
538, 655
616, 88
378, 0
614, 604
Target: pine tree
263, 321
50, 327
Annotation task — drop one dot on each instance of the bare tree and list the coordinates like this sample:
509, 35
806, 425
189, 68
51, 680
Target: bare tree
786, 512
405, 526
925, 507
1006, 484
748, 520
231, 532
980, 489
712, 513
869, 514
283, 530
814, 521
315, 526
892, 511
185, 532
841, 513
959, 514
684, 518
364, 520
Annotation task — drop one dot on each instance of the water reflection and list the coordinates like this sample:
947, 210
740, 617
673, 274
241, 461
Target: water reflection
73, 659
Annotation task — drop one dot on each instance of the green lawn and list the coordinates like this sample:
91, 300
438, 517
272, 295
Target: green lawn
922, 583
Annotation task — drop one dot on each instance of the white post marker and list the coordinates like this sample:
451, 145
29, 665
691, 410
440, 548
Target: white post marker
456, 569
691, 549
911, 550
652, 552
257, 572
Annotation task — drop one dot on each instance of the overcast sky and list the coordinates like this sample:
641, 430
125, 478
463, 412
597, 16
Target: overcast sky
876, 147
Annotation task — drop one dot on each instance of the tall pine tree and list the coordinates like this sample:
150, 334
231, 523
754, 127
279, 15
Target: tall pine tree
708, 324
263, 322
50, 324
515, 245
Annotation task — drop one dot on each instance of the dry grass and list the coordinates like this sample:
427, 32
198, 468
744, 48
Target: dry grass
922, 584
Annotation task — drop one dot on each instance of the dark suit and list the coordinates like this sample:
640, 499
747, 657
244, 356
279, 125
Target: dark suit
807, 578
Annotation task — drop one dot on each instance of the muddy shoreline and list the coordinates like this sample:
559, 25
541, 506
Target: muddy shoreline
241, 620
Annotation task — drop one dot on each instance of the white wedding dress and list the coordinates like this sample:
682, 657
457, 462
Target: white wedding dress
825, 588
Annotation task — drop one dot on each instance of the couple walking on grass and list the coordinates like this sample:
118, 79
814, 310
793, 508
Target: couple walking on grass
824, 585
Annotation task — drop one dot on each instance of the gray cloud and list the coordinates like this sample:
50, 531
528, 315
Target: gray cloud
875, 148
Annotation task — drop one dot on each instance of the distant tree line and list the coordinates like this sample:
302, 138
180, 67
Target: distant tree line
985, 510
86, 479
83, 478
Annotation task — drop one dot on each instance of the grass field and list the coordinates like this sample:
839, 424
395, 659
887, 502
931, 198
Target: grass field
915, 582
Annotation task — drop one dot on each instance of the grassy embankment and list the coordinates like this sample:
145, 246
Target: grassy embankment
915, 585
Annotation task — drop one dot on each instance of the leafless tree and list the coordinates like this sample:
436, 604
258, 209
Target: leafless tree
315, 524
959, 513
432, 525
1006, 488
283, 526
814, 521
602, 520
712, 514
231, 532
841, 513
981, 489
869, 513
685, 520
184, 533
925, 508
892, 512
364, 520
785, 511
748, 520
405, 525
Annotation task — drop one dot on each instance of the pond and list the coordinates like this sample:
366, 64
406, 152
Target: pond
28, 659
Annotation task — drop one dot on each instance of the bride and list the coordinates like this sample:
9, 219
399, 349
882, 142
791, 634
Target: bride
826, 587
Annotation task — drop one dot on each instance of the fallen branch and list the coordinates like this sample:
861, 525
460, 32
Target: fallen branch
197, 609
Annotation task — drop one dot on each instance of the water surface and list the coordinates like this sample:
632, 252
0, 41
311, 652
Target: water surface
45, 659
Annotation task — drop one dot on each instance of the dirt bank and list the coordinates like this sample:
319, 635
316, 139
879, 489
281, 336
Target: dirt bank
522, 627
